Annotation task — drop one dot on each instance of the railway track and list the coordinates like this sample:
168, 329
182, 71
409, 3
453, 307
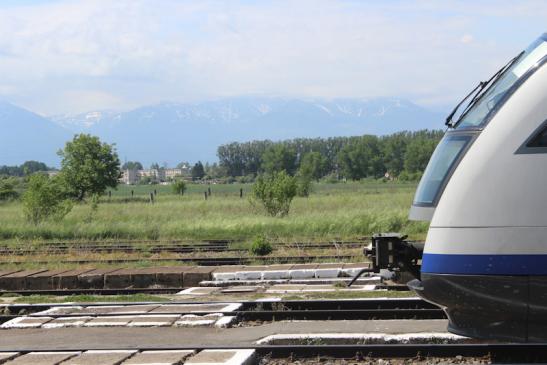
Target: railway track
268, 311
203, 261
59, 248
494, 352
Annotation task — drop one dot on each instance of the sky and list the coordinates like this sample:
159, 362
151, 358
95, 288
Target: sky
65, 57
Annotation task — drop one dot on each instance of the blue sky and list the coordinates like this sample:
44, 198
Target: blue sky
73, 56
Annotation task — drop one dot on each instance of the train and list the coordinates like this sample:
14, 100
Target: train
484, 192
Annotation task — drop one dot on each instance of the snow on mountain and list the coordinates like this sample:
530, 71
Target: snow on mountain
174, 132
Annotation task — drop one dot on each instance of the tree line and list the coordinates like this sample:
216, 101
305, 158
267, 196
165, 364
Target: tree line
402, 155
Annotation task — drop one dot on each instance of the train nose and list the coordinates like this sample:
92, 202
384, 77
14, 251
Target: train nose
477, 305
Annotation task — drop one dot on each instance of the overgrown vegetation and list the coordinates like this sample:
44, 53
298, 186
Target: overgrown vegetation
179, 187
275, 192
261, 247
334, 211
44, 199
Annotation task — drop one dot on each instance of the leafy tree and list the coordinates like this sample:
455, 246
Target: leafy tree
45, 199
132, 165
7, 189
30, 167
313, 165
418, 153
279, 157
361, 158
198, 171
89, 166
303, 185
275, 192
155, 166
179, 187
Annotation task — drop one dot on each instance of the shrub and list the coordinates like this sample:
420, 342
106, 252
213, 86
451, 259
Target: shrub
261, 247
179, 187
303, 186
7, 190
275, 192
44, 199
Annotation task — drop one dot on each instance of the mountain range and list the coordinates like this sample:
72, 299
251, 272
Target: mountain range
174, 132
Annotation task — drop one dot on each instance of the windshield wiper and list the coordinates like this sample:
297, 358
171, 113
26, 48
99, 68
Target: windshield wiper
477, 91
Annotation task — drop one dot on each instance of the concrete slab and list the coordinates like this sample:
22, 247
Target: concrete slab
190, 308
196, 275
58, 311
350, 270
61, 322
43, 280
16, 280
7, 272
42, 358
25, 322
250, 273
225, 273
327, 273
114, 321
274, 272
225, 321
303, 271
157, 320
171, 277
192, 320
294, 288
94, 279
223, 357
5, 356
241, 289
119, 279
165, 357
99, 357
198, 290
117, 309
171, 337
68, 279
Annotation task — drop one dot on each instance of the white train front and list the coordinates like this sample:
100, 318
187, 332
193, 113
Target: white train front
485, 193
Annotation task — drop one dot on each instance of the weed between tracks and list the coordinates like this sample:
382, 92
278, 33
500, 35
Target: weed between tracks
37, 299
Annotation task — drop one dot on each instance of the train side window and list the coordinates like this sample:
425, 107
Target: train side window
540, 139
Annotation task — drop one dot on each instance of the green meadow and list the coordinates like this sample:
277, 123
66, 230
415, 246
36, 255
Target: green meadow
333, 211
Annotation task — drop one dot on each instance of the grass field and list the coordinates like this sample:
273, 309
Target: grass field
333, 211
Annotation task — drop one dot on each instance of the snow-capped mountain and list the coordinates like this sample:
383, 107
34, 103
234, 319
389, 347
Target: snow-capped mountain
174, 132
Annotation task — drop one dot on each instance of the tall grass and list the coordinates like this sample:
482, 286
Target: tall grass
333, 211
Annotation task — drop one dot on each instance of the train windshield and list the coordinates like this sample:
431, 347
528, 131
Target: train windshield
493, 95
439, 168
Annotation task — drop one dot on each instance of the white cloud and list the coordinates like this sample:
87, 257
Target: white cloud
74, 56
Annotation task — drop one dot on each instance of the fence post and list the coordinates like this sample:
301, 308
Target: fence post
209, 191
241, 192
205, 194
151, 197
132, 192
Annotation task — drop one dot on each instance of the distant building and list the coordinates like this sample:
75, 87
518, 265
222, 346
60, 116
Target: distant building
129, 177
172, 173
52, 173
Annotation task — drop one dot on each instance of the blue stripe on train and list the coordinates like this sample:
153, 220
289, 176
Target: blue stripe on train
484, 264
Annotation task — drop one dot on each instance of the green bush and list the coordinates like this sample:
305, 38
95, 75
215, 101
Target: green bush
7, 189
275, 192
261, 247
179, 187
45, 199
303, 186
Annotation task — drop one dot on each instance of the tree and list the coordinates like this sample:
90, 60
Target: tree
198, 171
418, 153
179, 187
279, 157
7, 189
361, 158
275, 192
132, 165
89, 166
44, 199
155, 166
313, 166
30, 167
